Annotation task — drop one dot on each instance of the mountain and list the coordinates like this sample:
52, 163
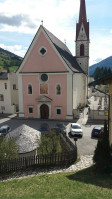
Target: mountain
104, 63
9, 60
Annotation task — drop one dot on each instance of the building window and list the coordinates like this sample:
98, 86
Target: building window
30, 109
5, 86
42, 51
58, 90
82, 50
29, 89
3, 108
58, 111
1, 97
44, 77
14, 86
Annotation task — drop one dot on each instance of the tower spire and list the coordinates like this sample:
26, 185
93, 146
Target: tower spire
82, 19
82, 38
82, 15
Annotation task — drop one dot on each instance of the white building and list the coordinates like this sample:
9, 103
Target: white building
8, 93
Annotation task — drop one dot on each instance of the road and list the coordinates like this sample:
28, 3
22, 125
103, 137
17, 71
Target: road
85, 145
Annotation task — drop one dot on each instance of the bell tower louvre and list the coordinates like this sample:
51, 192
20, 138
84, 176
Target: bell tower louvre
82, 38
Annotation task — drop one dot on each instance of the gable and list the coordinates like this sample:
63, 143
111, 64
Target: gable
82, 33
35, 62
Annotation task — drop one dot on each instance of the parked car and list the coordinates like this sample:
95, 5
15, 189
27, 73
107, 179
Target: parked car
44, 128
76, 130
97, 132
4, 130
61, 127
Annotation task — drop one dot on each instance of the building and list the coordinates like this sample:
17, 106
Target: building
9, 100
107, 80
52, 82
27, 140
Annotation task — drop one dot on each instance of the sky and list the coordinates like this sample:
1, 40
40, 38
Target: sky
20, 20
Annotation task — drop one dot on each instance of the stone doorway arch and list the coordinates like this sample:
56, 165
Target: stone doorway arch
44, 111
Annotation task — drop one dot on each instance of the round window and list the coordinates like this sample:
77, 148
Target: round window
44, 77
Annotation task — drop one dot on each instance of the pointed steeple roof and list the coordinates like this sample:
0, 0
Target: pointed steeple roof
82, 15
82, 19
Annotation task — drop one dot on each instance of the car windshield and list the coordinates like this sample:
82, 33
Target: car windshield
60, 126
98, 128
44, 127
76, 127
2, 130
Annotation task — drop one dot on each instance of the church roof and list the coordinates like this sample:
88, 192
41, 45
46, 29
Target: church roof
64, 52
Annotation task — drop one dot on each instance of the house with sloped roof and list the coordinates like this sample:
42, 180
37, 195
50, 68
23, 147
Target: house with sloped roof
52, 82
27, 140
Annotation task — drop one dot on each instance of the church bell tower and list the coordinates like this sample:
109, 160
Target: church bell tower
82, 39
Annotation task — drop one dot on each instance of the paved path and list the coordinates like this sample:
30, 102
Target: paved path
85, 162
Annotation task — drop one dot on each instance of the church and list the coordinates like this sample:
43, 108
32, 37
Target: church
52, 82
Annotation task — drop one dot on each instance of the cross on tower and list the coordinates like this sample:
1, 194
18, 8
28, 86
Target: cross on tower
42, 22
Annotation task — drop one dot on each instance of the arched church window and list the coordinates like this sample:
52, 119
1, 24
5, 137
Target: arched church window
82, 50
29, 89
58, 90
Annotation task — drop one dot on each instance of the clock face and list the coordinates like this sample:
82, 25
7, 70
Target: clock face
44, 77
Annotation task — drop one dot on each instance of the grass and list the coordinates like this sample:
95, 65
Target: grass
85, 184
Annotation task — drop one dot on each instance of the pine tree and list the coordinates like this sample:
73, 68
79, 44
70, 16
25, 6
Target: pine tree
102, 155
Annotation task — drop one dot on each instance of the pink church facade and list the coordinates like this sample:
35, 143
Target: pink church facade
50, 80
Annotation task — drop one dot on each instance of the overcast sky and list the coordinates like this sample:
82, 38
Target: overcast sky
20, 20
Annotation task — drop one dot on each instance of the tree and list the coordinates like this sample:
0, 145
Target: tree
109, 71
101, 72
96, 73
8, 148
102, 155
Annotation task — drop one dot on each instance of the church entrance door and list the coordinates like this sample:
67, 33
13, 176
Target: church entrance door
44, 111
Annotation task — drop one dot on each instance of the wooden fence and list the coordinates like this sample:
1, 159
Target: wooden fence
41, 160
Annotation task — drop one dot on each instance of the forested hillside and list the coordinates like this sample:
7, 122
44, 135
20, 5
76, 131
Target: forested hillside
9, 61
101, 72
106, 63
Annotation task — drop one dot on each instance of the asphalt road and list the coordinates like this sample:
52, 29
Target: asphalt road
85, 145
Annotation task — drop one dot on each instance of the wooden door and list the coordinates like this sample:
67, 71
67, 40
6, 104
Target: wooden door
44, 111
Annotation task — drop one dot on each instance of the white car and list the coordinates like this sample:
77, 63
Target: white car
76, 130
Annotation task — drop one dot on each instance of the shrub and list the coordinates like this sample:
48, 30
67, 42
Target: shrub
8, 148
102, 155
50, 143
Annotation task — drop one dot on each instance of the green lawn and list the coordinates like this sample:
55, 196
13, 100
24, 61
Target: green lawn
85, 184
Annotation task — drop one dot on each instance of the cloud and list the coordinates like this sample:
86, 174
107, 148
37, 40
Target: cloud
16, 49
100, 47
97, 60
16, 20
54, 13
